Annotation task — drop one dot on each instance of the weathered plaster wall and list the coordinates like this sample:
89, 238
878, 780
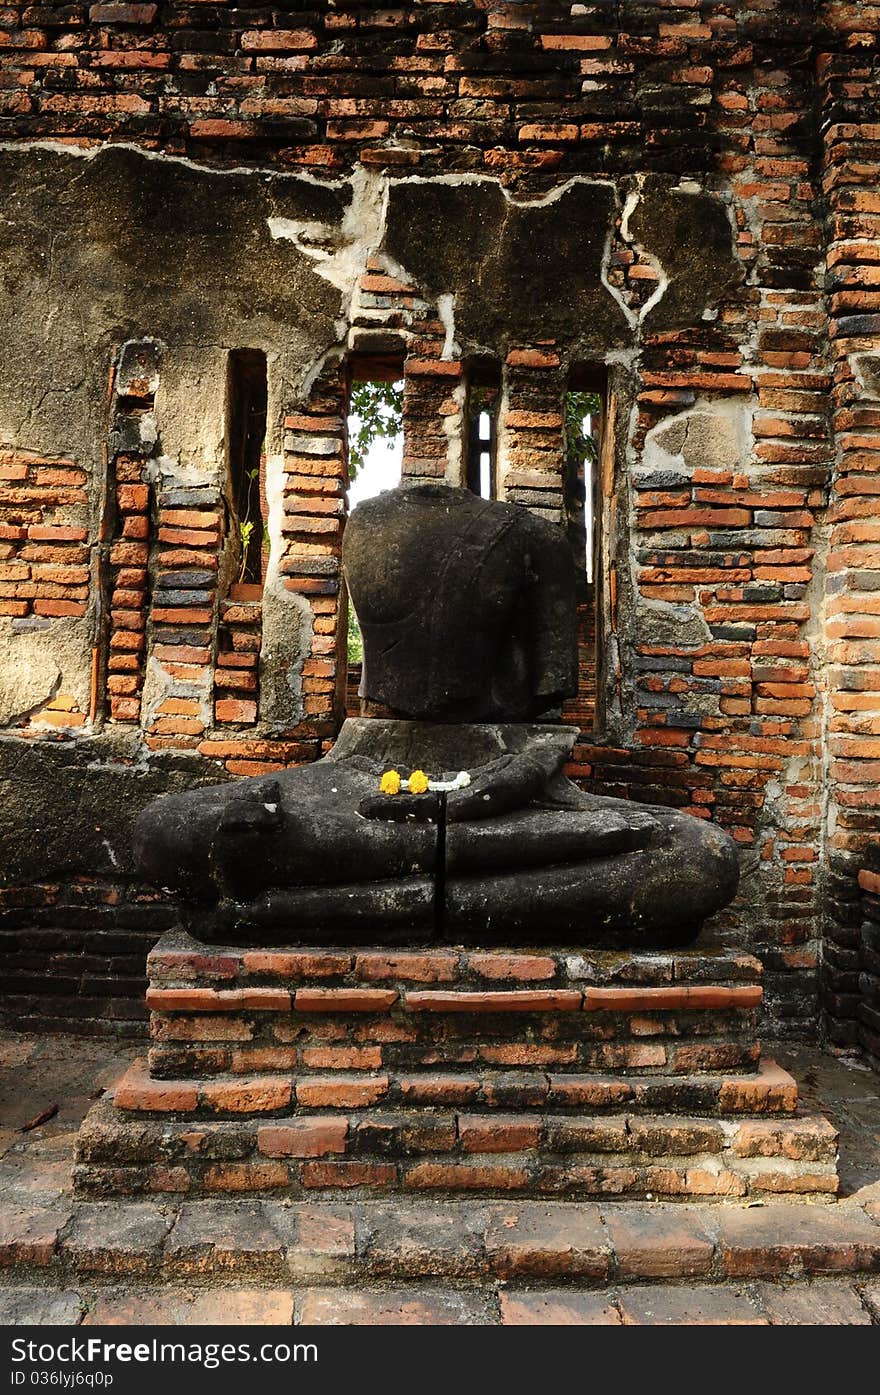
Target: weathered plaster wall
642, 188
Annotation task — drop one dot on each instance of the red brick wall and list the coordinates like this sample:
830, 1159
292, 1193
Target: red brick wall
762, 716
849, 88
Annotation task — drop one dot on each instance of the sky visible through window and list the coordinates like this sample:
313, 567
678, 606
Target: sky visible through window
588, 425
381, 470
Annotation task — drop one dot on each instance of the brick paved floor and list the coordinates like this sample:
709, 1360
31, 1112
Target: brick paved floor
418, 1262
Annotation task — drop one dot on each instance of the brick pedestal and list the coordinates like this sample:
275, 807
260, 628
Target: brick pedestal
549, 1073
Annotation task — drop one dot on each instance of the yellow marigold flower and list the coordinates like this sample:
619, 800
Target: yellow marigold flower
418, 782
390, 782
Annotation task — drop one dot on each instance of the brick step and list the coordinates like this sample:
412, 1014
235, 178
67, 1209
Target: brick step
580, 1246
218, 1010
178, 959
618, 1154
686, 998
277, 1049
770, 1090
816, 1302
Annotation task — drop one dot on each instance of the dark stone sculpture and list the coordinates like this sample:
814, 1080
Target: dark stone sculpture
467, 611
467, 607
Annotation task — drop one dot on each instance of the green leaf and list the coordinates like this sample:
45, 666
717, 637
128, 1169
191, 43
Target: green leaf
245, 532
375, 413
355, 639
579, 446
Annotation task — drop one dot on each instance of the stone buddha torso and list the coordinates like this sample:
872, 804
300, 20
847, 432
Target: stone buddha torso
466, 606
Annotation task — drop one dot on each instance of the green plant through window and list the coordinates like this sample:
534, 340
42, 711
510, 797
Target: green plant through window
355, 639
248, 397
247, 524
579, 443
375, 413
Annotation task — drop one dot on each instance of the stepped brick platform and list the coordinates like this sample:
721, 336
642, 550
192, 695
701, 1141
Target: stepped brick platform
549, 1073
422, 1258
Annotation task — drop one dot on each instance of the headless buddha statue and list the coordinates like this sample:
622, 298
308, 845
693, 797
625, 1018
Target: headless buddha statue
467, 610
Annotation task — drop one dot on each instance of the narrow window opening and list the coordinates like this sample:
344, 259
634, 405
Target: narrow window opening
484, 393
375, 463
582, 418
248, 401
583, 424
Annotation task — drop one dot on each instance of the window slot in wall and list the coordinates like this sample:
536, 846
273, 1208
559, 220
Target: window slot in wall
248, 398
375, 463
375, 427
582, 412
583, 406
483, 395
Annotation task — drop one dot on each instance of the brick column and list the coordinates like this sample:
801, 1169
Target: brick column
531, 437
851, 92
182, 631
316, 475
129, 555
238, 655
432, 421
128, 513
